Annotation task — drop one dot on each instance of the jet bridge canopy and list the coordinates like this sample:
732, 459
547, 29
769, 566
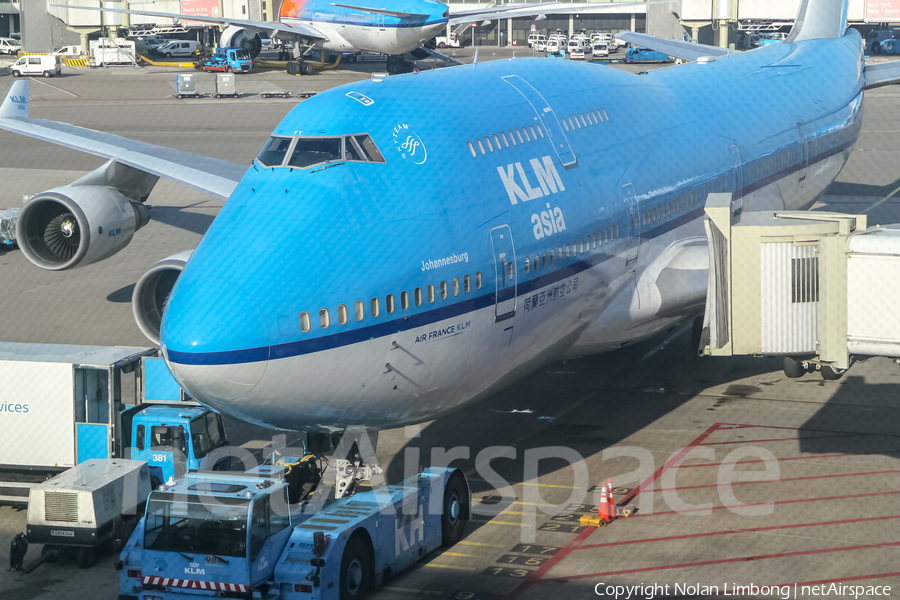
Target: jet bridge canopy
814, 286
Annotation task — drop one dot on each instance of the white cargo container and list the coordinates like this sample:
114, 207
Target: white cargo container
89, 505
109, 51
59, 406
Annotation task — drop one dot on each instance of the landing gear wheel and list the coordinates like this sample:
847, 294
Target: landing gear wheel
306, 68
829, 374
455, 513
85, 558
356, 570
793, 368
51, 552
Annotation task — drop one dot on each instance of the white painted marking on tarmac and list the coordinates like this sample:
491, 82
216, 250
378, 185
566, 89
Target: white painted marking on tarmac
668, 341
54, 87
413, 591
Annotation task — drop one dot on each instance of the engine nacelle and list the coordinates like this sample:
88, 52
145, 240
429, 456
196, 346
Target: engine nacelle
152, 292
77, 225
239, 37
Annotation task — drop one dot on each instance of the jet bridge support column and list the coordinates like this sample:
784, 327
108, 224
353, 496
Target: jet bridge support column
815, 287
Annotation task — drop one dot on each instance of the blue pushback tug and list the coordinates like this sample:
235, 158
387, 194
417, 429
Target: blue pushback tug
236, 535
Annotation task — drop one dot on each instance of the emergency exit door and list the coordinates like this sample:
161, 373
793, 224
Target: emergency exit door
504, 272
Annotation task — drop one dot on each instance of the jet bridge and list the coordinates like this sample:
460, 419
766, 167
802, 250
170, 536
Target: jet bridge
818, 288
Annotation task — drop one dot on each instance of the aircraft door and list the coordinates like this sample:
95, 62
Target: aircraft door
547, 118
737, 200
804, 153
504, 272
633, 211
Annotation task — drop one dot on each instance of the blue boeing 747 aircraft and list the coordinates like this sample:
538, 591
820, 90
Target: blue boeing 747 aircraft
425, 240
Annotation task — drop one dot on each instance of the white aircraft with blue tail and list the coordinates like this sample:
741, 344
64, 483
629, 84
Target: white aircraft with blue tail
420, 242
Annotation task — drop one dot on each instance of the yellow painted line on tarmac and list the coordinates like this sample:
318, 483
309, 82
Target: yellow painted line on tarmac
551, 485
520, 503
456, 554
482, 544
486, 522
413, 591
886, 198
453, 567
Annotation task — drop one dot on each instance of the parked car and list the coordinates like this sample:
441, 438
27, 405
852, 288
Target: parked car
9, 46
576, 53
443, 42
600, 50
45, 65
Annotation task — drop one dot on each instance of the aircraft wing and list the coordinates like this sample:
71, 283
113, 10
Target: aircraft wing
217, 178
676, 48
382, 11
881, 74
272, 27
541, 8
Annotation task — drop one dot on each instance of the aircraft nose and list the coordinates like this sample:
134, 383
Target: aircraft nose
215, 340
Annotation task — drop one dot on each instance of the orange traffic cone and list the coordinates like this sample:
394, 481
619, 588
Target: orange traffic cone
612, 502
603, 508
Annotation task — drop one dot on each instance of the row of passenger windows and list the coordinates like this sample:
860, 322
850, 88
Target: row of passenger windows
586, 244
772, 164
833, 139
683, 202
504, 139
585, 119
391, 303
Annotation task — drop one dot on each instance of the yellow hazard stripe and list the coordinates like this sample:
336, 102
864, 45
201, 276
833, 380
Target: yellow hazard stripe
76, 62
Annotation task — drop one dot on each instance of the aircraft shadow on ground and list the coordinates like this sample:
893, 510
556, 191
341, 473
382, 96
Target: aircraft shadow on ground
176, 216
614, 395
860, 418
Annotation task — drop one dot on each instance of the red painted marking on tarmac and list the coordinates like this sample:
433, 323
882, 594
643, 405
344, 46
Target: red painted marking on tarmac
712, 485
537, 575
777, 502
840, 579
811, 456
733, 531
722, 561
817, 437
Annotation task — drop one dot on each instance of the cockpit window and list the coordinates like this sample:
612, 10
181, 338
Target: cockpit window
274, 151
315, 151
311, 151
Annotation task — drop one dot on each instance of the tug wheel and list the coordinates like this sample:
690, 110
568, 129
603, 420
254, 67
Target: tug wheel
456, 510
356, 570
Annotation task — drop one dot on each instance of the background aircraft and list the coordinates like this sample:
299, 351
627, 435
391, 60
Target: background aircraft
395, 27
413, 244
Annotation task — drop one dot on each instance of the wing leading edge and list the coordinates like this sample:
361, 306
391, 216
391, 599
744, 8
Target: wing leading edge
218, 178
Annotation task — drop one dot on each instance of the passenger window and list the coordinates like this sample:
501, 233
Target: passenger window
617, 231
456, 286
467, 284
342, 314
314, 151
527, 139
527, 265
360, 310
404, 300
304, 322
544, 259
568, 251
533, 134
480, 147
512, 138
505, 139
644, 218
594, 245
539, 130
389, 303
430, 293
594, 117
565, 125
559, 253
537, 263
552, 256
497, 142
581, 116
471, 149
605, 116
490, 146
374, 308
571, 124
443, 290
417, 296
581, 246
324, 318
519, 135
510, 270
274, 151
478, 280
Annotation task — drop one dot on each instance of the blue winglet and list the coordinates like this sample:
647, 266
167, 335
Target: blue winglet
15, 105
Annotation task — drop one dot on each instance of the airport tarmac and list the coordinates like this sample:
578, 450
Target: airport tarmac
817, 503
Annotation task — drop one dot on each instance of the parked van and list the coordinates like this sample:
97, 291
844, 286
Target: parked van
67, 52
579, 46
45, 65
178, 48
9, 46
536, 38
555, 47
600, 50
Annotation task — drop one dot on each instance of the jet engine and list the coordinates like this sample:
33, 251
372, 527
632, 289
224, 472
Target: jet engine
77, 225
239, 37
152, 292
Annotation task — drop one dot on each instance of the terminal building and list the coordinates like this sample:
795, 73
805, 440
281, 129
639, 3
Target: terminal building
728, 23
